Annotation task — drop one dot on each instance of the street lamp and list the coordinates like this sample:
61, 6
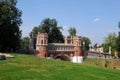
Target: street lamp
109, 49
84, 49
83, 45
76, 56
105, 54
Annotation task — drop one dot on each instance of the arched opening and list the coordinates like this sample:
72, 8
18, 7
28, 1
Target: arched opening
62, 57
41, 41
45, 42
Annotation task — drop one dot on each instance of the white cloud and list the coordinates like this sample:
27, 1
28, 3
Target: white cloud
96, 20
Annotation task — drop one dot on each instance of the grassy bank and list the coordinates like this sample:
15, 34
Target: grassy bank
27, 67
110, 63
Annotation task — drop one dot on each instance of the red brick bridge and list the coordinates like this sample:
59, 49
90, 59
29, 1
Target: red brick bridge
70, 50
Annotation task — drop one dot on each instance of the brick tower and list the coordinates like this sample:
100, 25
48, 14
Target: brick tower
42, 44
78, 55
77, 45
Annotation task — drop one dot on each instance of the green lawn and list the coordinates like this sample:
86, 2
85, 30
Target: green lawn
28, 67
110, 63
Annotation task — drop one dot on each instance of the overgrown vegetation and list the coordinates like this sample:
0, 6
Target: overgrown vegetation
110, 41
110, 63
27, 67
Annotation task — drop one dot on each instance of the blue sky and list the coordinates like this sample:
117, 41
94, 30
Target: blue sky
91, 18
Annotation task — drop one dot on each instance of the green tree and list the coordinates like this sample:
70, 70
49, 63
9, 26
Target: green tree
72, 31
118, 44
110, 41
25, 42
118, 41
34, 31
86, 42
119, 25
50, 27
95, 46
10, 33
46, 25
56, 36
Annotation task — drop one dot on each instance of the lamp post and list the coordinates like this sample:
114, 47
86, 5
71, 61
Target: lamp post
76, 53
98, 54
110, 47
84, 49
83, 45
105, 54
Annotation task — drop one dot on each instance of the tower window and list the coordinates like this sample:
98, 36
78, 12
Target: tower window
41, 41
45, 42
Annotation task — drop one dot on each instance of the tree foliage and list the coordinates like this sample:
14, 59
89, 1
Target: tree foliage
46, 25
56, 36
34, 31
86, 42
50, 27
72, 31
10, 21
25, 42
119, 24
118, 41
110, 41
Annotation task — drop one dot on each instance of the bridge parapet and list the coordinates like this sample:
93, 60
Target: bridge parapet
60, 47
98, 55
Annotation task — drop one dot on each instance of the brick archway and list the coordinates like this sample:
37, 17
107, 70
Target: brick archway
62, 57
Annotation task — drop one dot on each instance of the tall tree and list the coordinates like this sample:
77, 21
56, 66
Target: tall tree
119, 24
72, 31
118, 41
10, 21
34, 31
25, 43
118, 44
56, 36
110, 41
86, 41
46, 25
50, 27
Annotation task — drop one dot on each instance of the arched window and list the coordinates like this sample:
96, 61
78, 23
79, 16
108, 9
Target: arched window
45, 42
41, 41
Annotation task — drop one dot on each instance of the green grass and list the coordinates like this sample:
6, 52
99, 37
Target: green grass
28, 67
111, 63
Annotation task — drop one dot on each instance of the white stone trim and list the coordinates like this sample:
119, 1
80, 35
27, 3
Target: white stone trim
77, 59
